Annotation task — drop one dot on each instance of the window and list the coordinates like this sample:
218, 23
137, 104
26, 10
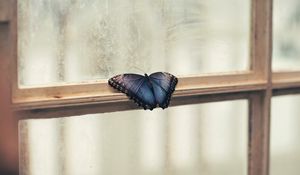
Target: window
162, 34
284, 147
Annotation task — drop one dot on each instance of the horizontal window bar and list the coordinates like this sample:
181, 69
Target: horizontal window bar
65, 111
74, 95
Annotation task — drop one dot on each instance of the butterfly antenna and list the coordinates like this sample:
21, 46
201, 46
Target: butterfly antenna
142, 71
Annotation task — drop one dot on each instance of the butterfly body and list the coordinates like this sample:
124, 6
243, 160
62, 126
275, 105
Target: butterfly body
148, 91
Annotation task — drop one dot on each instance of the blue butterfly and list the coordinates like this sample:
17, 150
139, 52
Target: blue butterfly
147, 91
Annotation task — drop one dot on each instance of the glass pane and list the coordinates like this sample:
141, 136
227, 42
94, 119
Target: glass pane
286, 35
285, 134
77, 41
208, 139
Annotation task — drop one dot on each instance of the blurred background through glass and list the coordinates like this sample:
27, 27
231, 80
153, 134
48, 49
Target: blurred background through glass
285, 132
78, 41
208, 139
286, 35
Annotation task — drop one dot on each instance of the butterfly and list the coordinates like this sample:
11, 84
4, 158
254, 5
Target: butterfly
148, 91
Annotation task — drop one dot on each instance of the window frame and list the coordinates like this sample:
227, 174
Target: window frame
258, 85
100, 93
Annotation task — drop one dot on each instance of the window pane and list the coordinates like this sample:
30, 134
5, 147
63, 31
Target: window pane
285, 134
208, 139
76, 41
286, 35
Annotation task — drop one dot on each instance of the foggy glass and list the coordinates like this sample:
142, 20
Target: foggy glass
285, 133
87, 40
286, 35
208, 139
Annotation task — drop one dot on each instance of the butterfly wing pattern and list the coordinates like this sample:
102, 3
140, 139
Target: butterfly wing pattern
135, 87
147, 91
163, 84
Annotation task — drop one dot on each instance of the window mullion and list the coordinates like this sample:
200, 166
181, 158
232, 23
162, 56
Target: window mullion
261, 40
259, 133
260, 102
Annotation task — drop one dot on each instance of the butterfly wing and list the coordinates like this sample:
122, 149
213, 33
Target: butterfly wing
136, 87
163, 84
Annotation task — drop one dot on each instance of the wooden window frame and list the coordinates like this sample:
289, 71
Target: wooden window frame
258, 85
